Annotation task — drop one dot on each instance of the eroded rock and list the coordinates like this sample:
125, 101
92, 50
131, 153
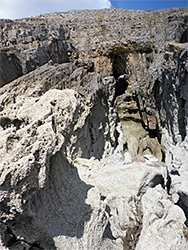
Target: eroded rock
163, 222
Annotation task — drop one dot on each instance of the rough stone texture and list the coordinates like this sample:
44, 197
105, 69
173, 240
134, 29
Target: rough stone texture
28, 44
177, 161
120, 187
71, 175
38, 134
161, 218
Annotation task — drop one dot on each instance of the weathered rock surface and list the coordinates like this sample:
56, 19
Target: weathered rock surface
162, 222
177, 159
93, 127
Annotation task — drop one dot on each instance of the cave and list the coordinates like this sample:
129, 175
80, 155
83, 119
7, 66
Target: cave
120, 86
184, 37
130, 114
119, 62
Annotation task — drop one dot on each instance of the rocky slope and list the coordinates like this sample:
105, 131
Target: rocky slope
93, 126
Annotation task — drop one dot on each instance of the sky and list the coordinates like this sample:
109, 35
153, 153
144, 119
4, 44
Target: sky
25, 8
149, 4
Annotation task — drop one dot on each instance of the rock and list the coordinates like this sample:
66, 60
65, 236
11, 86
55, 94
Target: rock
177, 159
37, 129
111, 177
30, 45
120, 185
34, 160
163, 222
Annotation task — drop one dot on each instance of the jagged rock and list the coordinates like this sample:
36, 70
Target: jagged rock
177, 159
120, 185
34, 148
32, 44
163, 222
40, 127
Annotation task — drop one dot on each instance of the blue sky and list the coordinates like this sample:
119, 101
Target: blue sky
26, 8
149, 4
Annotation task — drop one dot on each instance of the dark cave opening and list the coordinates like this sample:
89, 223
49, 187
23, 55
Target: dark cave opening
132, 109
120, 87
184, 37
119, 62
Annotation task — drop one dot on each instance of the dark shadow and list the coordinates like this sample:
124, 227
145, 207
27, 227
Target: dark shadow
10, 68
119, 62
120, 87
108, 233
184, 37
163, 93
182, 205
58, 209
152, 182
181, 93
93, 136
182, 117
158, 179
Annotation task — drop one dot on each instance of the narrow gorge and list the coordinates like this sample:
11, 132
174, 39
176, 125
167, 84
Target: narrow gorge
94, 130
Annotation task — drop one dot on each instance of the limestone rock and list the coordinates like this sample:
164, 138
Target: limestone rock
120, 185
163, 222
119, 178
177, 159
41, 126
36, 134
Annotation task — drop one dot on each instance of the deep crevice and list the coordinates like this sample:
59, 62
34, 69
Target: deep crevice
184, 37
181, 118
168, 183
108, 233
119, 62
120, 87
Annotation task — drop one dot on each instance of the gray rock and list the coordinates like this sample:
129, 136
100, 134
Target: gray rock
120, 186
163, 222
177, 160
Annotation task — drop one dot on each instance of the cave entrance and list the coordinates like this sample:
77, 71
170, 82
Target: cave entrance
184, 37
120, 86
119, 62
140, 141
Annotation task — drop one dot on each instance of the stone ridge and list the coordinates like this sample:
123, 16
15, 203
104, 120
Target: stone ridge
31, 42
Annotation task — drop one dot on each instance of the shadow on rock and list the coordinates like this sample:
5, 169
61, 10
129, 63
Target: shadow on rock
58, 211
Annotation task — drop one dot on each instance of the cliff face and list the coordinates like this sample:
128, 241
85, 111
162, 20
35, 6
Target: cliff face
93, 126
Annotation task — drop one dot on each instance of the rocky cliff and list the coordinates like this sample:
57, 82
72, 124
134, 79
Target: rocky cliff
93, 126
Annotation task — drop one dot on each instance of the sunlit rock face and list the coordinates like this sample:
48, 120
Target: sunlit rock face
93, 127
